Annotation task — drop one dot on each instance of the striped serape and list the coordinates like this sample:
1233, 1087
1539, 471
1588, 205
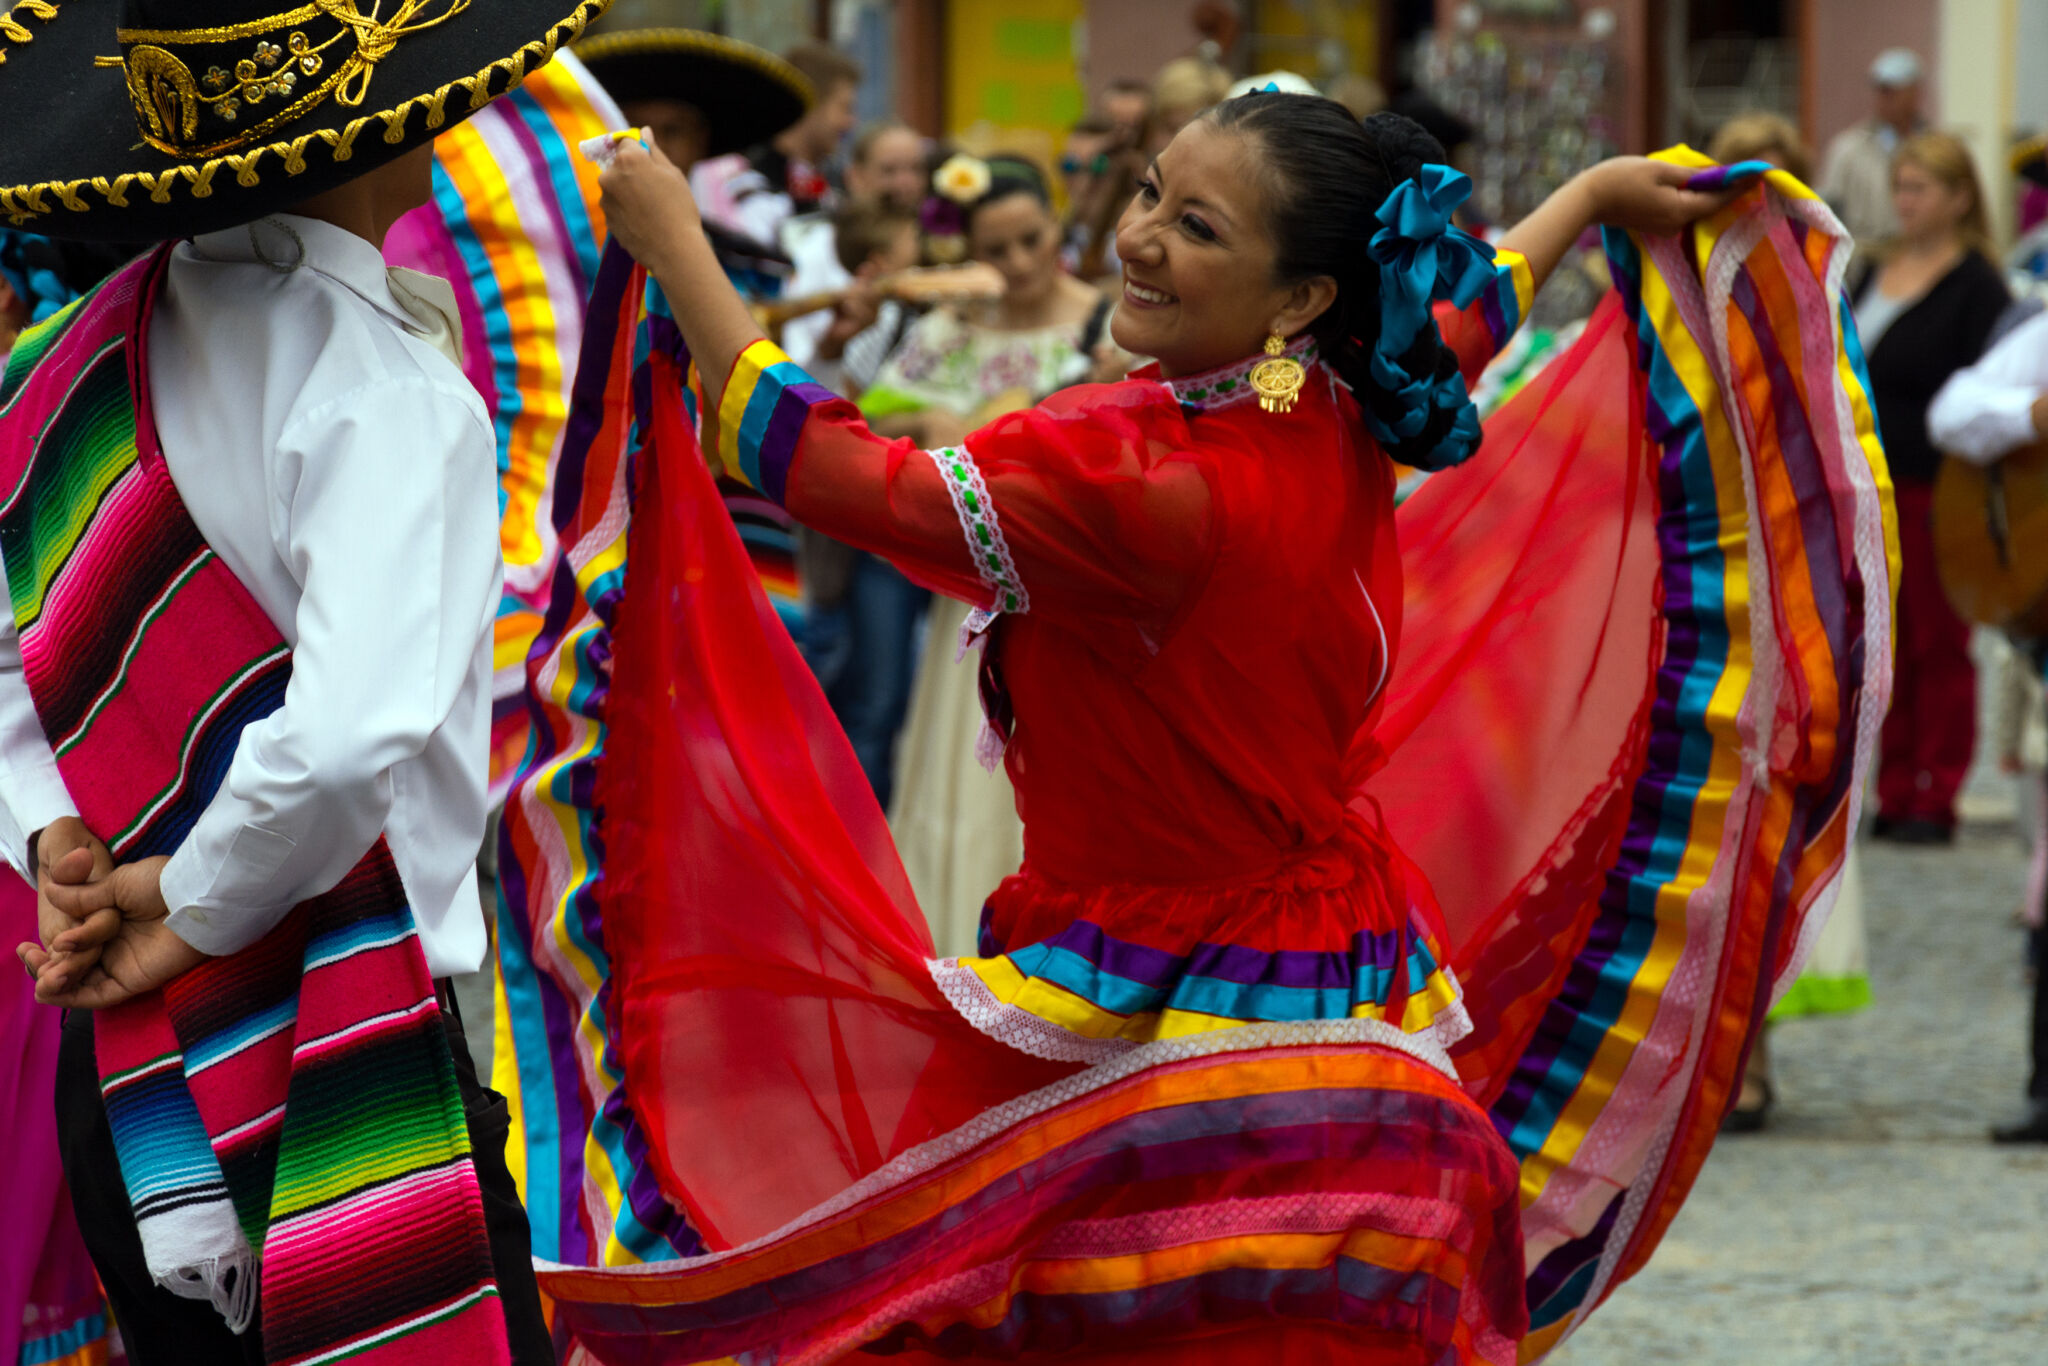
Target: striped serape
286, 1118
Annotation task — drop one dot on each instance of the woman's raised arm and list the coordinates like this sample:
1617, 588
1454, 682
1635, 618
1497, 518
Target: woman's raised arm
1636, 193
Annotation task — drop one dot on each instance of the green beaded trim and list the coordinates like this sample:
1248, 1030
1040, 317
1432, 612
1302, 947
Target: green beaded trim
1232, 384
985, 543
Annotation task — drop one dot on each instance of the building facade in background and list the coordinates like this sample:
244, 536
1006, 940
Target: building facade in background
1550, 85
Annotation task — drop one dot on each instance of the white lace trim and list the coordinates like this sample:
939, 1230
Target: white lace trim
1034, 1034
984, 532
1230, 385
990, 551
992, 1123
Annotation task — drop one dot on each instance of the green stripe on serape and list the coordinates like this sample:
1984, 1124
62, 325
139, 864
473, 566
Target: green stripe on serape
31, 346
89, 445
331, 1148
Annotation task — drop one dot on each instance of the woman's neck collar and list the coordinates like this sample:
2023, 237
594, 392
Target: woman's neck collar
1228, 385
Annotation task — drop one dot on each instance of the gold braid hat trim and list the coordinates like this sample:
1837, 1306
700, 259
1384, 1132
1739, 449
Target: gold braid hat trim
638, 42
22, 205
334, 45
14, 31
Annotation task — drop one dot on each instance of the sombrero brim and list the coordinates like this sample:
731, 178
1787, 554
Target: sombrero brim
746, 95
77, 165
2030, 160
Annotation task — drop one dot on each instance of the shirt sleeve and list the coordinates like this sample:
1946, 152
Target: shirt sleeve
384, 506
1079, 509
31, 793
1478, 331
1985, 411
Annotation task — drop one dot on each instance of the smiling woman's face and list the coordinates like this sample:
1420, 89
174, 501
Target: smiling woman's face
1199, 280
1018, 235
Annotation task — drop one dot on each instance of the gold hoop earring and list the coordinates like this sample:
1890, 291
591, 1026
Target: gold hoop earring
1277, 379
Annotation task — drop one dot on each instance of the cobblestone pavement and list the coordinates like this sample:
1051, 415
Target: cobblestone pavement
1872, 1224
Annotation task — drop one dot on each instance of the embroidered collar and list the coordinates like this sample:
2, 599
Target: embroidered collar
1228, 385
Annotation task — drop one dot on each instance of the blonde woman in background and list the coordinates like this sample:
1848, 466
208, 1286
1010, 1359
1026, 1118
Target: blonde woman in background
1762, 136
1924, 311
1181, 90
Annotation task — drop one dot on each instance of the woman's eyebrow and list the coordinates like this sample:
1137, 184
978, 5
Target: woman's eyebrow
1159, 180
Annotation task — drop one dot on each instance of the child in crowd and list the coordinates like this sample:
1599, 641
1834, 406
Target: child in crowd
874, 238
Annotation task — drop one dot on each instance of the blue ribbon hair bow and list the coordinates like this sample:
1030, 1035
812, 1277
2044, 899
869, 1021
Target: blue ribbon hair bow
1422, 257
38, 286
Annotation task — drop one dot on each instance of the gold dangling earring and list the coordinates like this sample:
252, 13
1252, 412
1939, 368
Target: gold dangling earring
1277, 379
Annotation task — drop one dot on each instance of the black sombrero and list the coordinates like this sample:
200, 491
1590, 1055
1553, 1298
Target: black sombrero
746, 95
143, 120
2030, 159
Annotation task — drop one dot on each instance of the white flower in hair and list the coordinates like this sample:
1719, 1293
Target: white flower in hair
962, 179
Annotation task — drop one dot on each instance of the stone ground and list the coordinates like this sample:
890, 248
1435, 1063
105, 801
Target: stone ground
1872, 1224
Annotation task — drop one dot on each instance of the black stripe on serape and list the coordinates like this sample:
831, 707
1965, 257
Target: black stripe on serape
224, 991
185, 1195
212, 750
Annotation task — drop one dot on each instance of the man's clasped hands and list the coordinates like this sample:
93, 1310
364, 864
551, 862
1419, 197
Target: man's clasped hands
101, 927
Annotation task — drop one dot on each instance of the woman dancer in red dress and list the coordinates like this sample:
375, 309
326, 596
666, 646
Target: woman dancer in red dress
1194, 1100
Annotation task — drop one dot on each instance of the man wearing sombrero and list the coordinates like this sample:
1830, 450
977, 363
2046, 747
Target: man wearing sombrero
248, 527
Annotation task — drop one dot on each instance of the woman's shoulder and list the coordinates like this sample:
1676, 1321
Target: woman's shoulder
1976, 275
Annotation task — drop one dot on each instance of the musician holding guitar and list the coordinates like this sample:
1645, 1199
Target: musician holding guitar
1991, 533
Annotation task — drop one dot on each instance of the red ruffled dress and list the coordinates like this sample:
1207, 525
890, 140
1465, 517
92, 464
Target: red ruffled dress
1207, 1093
1207, 608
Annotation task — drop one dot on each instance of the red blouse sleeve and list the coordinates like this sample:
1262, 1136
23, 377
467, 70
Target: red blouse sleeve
1478, 331
1086, 507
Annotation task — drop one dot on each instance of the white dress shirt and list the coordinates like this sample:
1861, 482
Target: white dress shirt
1985, 411
342, 467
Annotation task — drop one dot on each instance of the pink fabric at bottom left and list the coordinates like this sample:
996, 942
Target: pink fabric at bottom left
50, 1301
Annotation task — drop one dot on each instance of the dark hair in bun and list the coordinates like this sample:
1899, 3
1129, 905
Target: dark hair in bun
1327, 176
1008, 175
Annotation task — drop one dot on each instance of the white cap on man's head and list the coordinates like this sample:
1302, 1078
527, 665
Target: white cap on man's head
1895, 67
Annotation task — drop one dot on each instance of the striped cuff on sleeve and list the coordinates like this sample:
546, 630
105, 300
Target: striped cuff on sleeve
767, 400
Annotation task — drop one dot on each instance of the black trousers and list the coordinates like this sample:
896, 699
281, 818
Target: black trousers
161, 1329
2037, 1082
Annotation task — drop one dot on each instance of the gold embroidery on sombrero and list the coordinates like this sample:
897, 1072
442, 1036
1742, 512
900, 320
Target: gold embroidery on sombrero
188, 114
21, 205
14, 31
